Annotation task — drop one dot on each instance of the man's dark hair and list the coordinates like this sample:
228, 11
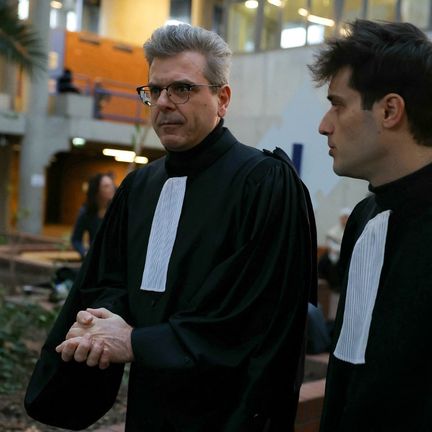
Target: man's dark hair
384, 58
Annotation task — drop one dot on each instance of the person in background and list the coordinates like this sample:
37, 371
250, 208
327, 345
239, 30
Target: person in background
199, 277
65, 84
328, 264
379, 128
100, 192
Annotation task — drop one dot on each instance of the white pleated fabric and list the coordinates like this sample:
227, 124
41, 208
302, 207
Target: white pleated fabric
363, 280
163, 233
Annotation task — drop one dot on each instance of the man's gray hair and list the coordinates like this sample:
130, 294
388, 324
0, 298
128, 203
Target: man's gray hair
171, 40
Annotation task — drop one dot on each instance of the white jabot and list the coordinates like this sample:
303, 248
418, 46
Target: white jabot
163, 233
363, 280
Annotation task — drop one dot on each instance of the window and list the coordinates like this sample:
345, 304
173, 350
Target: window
293, 24
382, 10
417, 11
242, 17
180, 10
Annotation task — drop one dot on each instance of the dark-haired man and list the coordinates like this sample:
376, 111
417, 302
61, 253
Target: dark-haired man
379, 128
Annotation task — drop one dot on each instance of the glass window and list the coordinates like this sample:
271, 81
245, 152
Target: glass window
241, 25
416, 11
23, 9
321, 21
382, 10
352, 9
180, 10
293, 26
272, 24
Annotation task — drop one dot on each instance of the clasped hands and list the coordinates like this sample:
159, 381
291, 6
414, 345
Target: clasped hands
98, 337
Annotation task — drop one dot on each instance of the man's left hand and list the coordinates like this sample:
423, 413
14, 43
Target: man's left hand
94, 329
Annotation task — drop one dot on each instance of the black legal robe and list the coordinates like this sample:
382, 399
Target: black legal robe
392, 391
219, 350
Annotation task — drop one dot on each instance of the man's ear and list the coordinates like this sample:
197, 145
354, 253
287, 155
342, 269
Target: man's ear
393, 109
224, 97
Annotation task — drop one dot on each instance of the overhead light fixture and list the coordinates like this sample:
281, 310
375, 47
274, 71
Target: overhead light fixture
277, 3
315, 18
303, 12
56, 4
118, 153
125, 156
78, 141
251, 4
141, 160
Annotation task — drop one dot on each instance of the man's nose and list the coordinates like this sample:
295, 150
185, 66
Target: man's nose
164, 100
325, 127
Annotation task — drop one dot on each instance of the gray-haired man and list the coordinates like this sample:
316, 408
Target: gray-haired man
201, 273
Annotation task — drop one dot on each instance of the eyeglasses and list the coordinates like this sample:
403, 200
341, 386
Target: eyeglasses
178, 93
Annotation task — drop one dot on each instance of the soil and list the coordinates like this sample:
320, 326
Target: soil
13, 417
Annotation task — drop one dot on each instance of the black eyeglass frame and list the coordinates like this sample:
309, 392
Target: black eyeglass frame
189, 88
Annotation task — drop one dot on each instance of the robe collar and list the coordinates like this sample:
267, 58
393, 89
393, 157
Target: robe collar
200, 157
411, 191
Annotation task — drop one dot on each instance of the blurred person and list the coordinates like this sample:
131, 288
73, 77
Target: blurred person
199, 276
65, 83
328, 264
379, 128
100, 192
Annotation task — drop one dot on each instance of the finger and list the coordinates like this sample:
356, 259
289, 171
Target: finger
104, 360
100, 313
75, 331
67, 348
83, 349
84, 318
95, 353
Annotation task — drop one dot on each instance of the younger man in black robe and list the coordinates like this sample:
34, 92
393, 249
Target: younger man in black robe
199, 277
379, 128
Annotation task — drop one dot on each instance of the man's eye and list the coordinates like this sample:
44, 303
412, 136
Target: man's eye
155, 91
180, 88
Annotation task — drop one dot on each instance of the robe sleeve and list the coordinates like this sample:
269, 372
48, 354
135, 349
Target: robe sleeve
250, 313
58, 390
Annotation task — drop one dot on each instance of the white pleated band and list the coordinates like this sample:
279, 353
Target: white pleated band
163, 233
363, 280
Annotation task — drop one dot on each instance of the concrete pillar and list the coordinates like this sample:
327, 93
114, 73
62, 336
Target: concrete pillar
32, 159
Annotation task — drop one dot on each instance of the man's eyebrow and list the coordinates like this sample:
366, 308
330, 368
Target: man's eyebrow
184, 81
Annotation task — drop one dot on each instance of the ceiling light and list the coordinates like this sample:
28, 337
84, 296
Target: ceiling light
321, 20
141, 160
56, 4
124, 158
251, 4
315, 18
118, 153
78, 141
277, 3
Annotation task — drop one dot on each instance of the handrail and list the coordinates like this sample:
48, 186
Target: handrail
113, 100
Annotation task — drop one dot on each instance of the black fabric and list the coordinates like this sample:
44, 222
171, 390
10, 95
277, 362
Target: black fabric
219, 350
392, 391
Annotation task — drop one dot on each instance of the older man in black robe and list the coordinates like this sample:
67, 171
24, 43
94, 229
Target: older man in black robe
199, 276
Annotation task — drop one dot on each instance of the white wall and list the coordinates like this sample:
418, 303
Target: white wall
275, 103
